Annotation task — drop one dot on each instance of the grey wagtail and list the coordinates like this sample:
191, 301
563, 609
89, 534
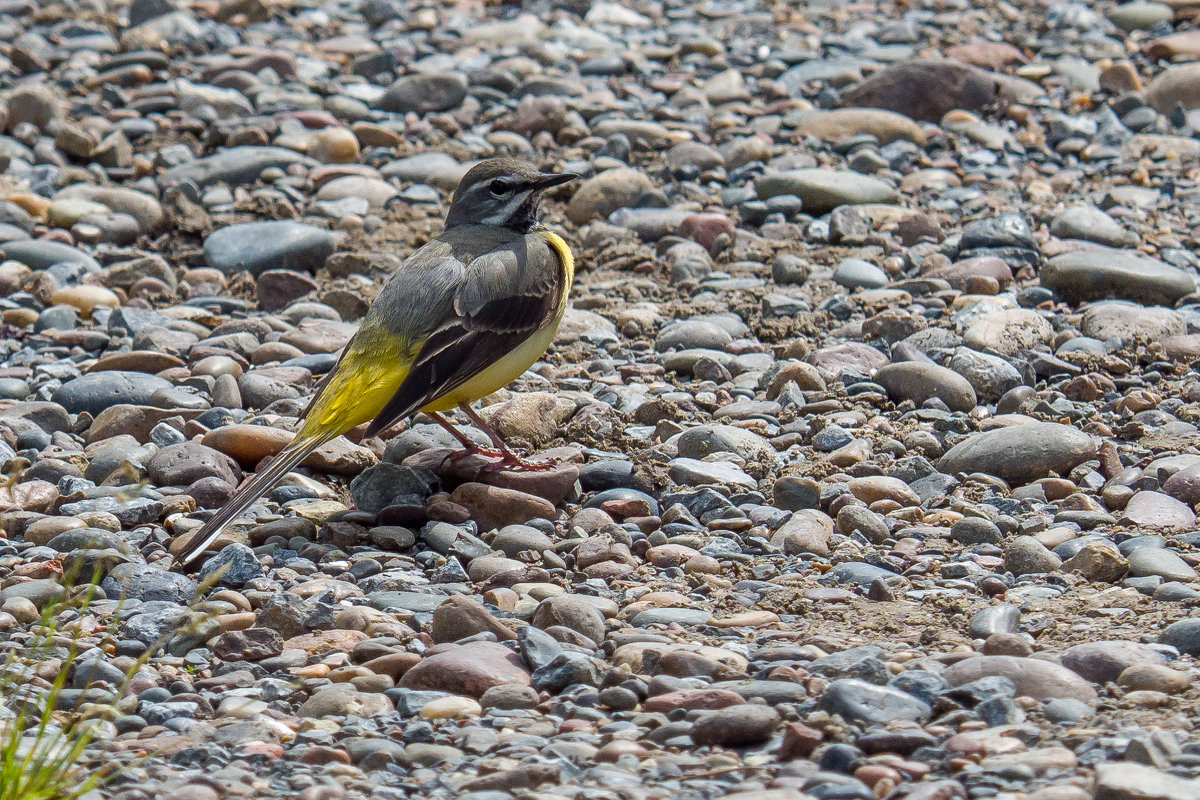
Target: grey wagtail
462, 317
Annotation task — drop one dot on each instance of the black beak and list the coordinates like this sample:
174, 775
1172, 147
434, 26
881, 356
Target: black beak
548, 179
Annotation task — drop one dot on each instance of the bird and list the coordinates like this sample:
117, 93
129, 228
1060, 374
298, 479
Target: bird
463, 316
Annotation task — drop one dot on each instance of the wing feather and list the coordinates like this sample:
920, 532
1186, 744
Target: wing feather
503, 298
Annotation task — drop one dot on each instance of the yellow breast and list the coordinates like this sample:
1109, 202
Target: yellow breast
521, 358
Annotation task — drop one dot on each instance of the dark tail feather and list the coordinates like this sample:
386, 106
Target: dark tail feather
283, 463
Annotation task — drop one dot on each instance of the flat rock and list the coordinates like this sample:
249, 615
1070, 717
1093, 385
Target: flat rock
1032, 677
96, 391
1176, 84
1124, 780
1008, 333
1102, 662
1127, 323
858, 700
469, 669
918, 381
603, 194
1098, 275
822, 190
925, 89
838, 123
273, 244
236, 165
1021, 453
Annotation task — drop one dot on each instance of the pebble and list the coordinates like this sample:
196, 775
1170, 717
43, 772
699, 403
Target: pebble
258, 246
1084, 276
1021, 453
1031, 677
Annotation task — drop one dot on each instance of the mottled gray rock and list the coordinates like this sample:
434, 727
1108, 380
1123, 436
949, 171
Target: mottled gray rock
1088, 275
274, 244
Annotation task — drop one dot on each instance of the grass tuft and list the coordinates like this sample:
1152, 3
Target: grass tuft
41, 747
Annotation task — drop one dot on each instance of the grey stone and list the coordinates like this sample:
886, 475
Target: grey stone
822, 190
271, 244
96, 391
1021, 453
1097, 275
145, 582
865, 702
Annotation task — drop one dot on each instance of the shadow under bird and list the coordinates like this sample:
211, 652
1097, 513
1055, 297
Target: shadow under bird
462, 317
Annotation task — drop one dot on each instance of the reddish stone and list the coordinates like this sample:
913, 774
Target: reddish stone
692, 699
799, 741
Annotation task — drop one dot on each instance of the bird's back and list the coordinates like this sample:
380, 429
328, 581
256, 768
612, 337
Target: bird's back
463, 267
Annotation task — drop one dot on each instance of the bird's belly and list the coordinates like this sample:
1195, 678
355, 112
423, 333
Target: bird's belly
501, 373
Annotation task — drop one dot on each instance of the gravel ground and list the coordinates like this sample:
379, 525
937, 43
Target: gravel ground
875, 410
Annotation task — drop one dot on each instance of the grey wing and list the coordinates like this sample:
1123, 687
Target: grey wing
502, 299
413, 302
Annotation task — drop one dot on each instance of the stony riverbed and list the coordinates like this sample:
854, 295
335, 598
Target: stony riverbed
875, 411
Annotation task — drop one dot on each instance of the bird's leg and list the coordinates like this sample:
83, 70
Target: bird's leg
469, 447
508, 459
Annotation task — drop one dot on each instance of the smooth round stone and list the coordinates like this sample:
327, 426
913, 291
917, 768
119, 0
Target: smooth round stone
855, 273
735, 726
690, 334
1175, 592
990, 376
866, 702
823, 190
60, 317
856, 573
1139, 15
1157, 510
273, 244
1163, 563
1032, 677
234, 165
1021, 453
1004, 618
1183, 635
918, 381
1025, 555
1097, 275
247, 444
96, 391
701, 441
976, 530
611, 190
40, 254
1090, 224
423, 94
1010, 332
376, 192
1125, 323
13, 389
451, 708
65, 212
515, 539
667, 616
1067, 710
137, 361
1101, 662
840, 123
1153, 678
333, 146
216, 366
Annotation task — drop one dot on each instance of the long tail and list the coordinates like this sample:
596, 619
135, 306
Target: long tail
283, 463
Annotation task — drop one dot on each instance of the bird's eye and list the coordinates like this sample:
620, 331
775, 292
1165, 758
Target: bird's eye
498, 187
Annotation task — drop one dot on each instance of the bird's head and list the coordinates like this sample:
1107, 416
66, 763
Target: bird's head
501, 191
